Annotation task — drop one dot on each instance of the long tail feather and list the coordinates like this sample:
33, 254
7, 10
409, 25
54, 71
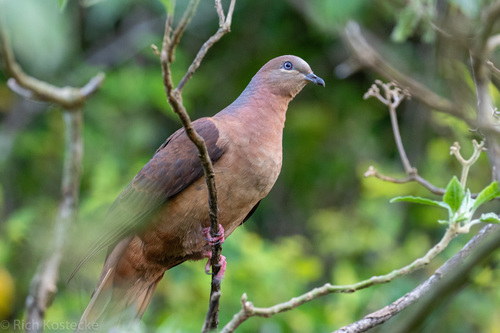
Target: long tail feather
123, 292
117, 307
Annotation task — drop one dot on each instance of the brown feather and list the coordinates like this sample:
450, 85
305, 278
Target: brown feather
157, 220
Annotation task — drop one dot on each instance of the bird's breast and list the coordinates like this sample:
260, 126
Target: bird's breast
244, 175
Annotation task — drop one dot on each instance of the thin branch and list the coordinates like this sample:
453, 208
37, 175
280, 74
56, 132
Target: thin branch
181, 27
451, 283
224, 28
249, 310
15, 87
413, 177
368, 57
164, 56
393, 97
69, 98
467, 163
213, 308
486, 121
174, 96
383, 315
43, 285
481, 76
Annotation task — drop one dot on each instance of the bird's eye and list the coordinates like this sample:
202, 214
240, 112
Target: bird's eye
287, 65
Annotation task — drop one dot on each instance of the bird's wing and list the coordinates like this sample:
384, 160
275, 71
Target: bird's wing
173, 167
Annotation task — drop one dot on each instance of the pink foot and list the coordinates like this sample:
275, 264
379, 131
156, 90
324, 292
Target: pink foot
218, 239
222, 264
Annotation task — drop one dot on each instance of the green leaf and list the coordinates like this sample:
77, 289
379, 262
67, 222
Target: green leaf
488, 193
420, 200
489, 218
454, 194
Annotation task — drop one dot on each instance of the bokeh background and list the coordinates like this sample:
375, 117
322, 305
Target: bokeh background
322, 222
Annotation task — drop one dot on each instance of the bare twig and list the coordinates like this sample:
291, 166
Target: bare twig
43, 286
381, 316
224, 27
481, 71
249, 310
413, 177
15, 87
181, 27
452, 282
69, 98
368, 57
393, 97
155, 50
467, 163
174, 96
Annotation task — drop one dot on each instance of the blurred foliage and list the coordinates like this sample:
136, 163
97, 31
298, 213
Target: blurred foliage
323, 222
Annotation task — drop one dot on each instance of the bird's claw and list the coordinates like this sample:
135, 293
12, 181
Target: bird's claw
218, 239
222, 264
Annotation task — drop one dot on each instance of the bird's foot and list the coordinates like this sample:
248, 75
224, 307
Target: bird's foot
221, 264
218, 239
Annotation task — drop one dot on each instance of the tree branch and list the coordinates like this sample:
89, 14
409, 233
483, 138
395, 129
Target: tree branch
174, 96
393, 97
249, 310
44, 284
481, 74
181, 27
413, 177
69, 98
381, 316
368, 57
224, 27
467, 163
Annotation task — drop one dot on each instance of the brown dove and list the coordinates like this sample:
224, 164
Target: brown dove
161, 218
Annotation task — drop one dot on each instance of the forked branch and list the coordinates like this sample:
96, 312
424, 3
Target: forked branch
44, 284
425, 288
69, 98
368, 57
249, 310
174, 96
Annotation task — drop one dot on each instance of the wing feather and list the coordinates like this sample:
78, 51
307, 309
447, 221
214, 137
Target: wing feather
173, 167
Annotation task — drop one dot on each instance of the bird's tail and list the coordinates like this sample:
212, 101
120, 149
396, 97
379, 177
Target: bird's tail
123, 292
116, 306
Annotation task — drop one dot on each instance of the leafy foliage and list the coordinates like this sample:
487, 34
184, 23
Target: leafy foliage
323, 222
459, 203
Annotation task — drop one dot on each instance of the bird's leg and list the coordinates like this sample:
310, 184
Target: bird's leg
218, 239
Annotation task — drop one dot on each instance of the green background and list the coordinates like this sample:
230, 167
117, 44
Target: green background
322, 222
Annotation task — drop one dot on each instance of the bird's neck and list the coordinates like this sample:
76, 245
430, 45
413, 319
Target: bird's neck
259, 103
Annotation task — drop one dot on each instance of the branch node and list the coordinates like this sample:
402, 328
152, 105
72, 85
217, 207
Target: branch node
155, 50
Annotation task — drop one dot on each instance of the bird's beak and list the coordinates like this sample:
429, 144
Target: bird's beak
315, 79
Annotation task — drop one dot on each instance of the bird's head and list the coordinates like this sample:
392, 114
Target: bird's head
287, 75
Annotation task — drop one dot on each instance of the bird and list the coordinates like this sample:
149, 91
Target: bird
161, 218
